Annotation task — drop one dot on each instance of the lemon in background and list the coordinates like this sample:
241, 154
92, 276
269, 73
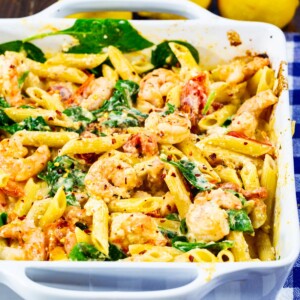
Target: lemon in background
165, 16
128, 15
277, 12
102, 15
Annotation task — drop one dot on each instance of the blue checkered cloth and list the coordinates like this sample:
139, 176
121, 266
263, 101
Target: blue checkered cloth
291, 289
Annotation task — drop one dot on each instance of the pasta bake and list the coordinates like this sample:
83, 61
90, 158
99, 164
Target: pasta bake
115, 153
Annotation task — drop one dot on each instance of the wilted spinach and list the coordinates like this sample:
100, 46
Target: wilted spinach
213, 246
32, 51
239, 221
95, 34
191, 173
67, 172
163, 56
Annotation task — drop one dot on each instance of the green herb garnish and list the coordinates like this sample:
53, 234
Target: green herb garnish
85, 252
210, 100
213, 246
95, 34
3, 218
239, 221
32, 51
163, 56
170, 109
31, 124
67, 172
191, 173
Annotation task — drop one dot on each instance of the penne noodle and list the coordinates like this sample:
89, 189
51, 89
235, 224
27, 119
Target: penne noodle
55, 209
122, 65
51, 139
76, 60
94, 145
240, 145
60, 73
144, 205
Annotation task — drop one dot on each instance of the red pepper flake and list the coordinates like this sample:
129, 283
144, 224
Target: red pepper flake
191, 258
113, 140
173, 174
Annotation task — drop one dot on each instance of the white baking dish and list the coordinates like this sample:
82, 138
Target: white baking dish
113, 280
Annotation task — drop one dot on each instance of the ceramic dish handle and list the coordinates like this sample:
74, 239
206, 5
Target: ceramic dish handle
104, 281
183, 8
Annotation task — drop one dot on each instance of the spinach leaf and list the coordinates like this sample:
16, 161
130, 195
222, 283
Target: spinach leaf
32, 51
170, 109
179, 238
168, 233
81, 225
173, 217
121, 113
227, 122
67, 172
22, 79
214, 246
95, 34
124, 95
79, 114
85, 252
121, 120
3, 103
191, 173
163, 56
239, 221
27, 106
115, 253
31, 124
3, 218
183, 227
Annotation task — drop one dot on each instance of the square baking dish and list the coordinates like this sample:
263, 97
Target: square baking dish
114, 280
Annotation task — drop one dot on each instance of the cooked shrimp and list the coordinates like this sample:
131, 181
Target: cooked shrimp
154, 88
111, 177
74, 214
169, 129
21, 169
240, 69
194, 96
144, 144
135, 228
260, 193
96, 93
151, 172
60, 233
12, 67
13, 147
246, 119
206, 219
13, 189
31, 238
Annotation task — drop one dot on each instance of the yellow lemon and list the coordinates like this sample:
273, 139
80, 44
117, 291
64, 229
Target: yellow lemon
165, 16
277, 12
103, 15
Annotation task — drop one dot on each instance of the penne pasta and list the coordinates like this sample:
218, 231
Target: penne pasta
55, 72
55, 209
44, 99
240, 249
94, 145
122, 65
51, 139
240, 145
77, 60
176, 186
144, 205
269, 181
99, 211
